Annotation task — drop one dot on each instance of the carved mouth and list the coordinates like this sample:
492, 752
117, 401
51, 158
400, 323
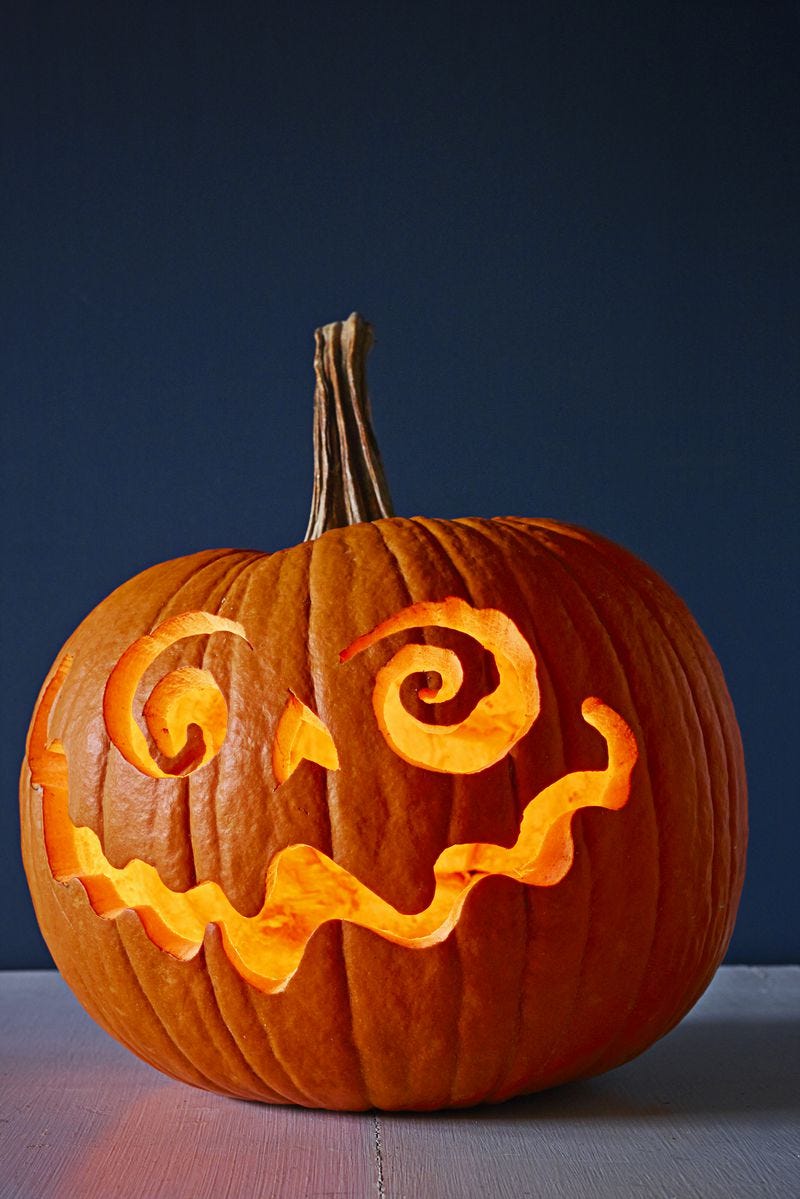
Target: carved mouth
304, 887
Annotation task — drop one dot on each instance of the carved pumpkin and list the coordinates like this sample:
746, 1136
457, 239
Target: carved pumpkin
418, 813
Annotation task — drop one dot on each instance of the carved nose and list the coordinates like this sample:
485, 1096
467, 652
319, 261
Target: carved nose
301, 736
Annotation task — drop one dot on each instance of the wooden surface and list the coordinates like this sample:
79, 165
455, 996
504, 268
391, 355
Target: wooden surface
711, 1112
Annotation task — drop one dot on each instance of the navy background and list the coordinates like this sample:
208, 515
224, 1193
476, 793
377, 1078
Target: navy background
574, 227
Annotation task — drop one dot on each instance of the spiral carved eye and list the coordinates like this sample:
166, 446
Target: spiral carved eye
186, 712
496, 722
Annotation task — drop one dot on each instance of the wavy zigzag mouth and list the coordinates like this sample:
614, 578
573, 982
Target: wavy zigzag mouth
304, 887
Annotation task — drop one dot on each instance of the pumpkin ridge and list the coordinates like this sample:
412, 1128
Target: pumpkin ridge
357, 1055
458, 534
489, 530
569, 1009
581, 590
457, 955
310, 587
108, 1017
419, 528
705, 801
227, 585
486, 529
729, 752
540, 642
208, 1016
294, 1089
448, 561
399, 528
224, 588
391, 537
734, 771
524, 531
614, 564
139, 986
172, 599
289, 1089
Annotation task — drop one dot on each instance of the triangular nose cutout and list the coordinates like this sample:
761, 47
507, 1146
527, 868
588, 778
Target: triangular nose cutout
301, 736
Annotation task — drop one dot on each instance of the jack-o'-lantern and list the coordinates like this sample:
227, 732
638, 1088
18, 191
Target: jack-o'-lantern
418, 813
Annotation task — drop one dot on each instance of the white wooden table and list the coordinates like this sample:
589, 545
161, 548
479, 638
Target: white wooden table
711, 1112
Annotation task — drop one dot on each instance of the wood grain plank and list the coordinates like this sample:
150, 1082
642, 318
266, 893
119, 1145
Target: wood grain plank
81, 1118
711, 1112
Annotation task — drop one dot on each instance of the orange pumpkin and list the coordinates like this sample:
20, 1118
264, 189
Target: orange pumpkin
418, 813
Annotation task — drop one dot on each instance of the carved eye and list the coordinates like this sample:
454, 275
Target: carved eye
497, 721
187, 716
186, 712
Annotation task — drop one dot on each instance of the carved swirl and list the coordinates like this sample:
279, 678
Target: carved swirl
186, 712
496, 722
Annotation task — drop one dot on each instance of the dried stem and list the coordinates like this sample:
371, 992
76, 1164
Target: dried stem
349, 482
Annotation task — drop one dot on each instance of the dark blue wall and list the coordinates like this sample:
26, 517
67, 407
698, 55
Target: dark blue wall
574, 226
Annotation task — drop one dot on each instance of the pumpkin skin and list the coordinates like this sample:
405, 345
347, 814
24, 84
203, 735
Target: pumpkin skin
534, 985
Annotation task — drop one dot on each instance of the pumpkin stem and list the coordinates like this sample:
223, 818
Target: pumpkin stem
349, 482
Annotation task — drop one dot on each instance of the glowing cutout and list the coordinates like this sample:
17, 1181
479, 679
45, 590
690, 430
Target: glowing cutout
496, 723
301, 736
186, 712
304, 887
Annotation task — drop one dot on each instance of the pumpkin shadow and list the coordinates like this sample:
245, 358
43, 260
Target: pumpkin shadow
701, 1068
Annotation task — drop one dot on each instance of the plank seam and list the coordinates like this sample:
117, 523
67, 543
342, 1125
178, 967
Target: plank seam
379, 1180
